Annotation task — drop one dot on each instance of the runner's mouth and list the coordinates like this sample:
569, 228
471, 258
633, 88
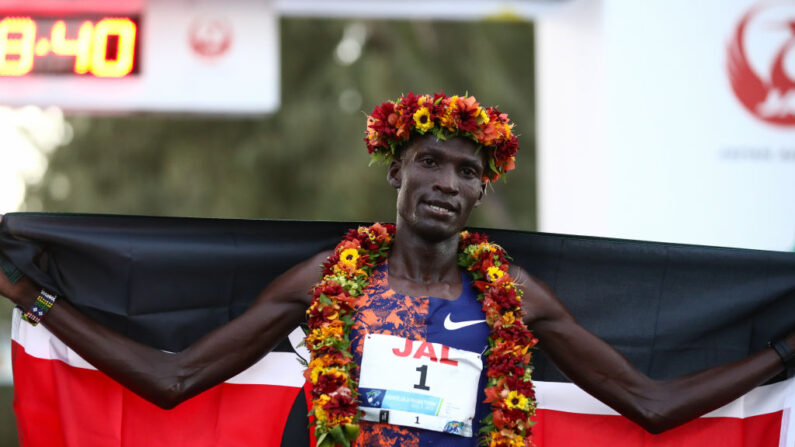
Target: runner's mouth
441, 208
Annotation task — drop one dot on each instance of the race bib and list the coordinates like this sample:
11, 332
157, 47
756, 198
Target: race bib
418, 384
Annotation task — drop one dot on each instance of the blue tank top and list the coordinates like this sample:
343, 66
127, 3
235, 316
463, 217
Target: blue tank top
384, 311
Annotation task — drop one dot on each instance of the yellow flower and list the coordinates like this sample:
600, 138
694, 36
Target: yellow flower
370, 234
311, 308
501, 438
447, 119
508, 318
516, 400
507, 128
340, 420
318, 335
320, 362
483, 117
336, 372
332, 331
494, 273
320, 413
422, 117
315, 374
349, 257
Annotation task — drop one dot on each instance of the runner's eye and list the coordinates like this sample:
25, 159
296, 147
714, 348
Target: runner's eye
428, 162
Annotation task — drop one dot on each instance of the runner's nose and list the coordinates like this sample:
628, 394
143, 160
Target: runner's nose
446, 181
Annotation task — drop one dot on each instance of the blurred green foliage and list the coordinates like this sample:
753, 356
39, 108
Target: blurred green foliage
307, 160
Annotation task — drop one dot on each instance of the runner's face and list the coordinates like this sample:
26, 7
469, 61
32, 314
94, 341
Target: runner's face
439, 182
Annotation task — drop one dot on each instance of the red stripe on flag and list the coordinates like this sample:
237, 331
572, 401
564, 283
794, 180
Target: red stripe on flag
560, 428
60, 405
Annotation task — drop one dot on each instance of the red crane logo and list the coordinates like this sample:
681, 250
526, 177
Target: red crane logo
769, 98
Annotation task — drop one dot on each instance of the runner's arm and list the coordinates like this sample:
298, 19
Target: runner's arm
600, 370
167, 379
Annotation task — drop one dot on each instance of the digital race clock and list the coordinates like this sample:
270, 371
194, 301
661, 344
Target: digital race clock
153, 56
105, 47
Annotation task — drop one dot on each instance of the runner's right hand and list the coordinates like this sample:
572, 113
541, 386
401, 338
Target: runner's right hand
22, 293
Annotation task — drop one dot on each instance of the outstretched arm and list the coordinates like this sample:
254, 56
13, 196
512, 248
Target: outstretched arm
167, 379
656, 405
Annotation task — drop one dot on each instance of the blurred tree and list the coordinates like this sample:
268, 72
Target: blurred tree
307, 161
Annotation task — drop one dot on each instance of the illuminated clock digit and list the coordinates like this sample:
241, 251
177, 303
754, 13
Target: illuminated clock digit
80, 47
17, 39
122, 64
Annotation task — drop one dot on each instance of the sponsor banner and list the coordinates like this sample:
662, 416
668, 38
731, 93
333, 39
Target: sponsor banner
84, 407
655, 124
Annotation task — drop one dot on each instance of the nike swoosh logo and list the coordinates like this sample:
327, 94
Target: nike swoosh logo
451, 325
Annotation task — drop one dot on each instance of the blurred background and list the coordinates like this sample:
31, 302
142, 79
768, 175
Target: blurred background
659, 120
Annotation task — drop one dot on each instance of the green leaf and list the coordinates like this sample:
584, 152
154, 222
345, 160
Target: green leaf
339, 436
351, 431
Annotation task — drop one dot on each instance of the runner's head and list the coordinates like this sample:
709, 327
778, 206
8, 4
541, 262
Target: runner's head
439, 182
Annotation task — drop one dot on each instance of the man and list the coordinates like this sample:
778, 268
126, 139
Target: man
443, 151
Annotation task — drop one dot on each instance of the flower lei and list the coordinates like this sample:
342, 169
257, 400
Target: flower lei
393, 123
333, 373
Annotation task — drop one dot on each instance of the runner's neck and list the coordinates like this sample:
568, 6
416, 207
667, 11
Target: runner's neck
424, 269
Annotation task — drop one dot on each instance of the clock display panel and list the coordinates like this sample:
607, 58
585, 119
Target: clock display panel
98, 46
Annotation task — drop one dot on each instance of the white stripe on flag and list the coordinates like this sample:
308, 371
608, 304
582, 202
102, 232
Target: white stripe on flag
787, 436
276, 368
761, 400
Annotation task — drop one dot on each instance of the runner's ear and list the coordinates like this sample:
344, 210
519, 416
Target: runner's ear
482, 193
393, 174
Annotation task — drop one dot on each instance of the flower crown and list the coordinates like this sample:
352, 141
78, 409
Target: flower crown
393, 123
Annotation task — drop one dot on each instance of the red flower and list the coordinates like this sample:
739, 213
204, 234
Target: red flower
381, 119
474, 238
407, 105
503, 297
488, 134
506, 151
331, 261
503, 365
382, 232
328, 288
328, 383
341, 405
500, 421
492, 394
466, 115
517, 384
516, 332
